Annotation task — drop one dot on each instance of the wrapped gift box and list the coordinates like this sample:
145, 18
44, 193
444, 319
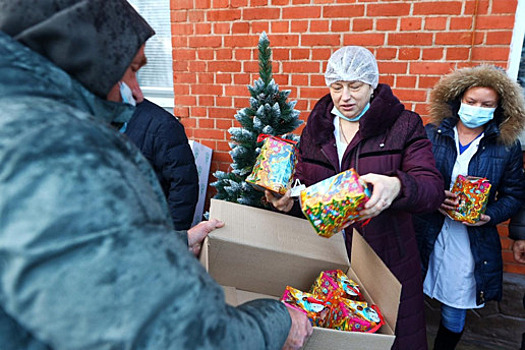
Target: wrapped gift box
259, 252
275, 165
473, 194
334, 202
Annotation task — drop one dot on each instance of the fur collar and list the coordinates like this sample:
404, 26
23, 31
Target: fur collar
510, 115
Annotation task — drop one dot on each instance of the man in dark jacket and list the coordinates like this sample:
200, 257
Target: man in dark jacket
162, 140
88, 255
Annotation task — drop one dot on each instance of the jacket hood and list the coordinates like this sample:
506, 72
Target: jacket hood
509, 116
92, 40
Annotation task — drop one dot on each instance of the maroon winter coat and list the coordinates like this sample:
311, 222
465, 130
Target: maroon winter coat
390, 141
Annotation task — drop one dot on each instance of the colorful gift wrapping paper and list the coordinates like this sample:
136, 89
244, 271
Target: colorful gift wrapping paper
275, 165
473, 194
332, 203
328, 304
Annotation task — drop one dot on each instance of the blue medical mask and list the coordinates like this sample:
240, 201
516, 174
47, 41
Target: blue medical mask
473, 116
354, 119
126, 94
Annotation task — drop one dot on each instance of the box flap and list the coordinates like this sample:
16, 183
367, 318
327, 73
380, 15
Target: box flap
284, 233
324, 338
375, 275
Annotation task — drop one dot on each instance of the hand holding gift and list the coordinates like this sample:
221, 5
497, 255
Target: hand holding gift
334, 203
467, 200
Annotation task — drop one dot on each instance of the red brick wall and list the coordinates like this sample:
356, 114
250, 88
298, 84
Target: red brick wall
415, 43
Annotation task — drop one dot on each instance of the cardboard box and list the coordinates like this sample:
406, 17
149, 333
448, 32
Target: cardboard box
259, 252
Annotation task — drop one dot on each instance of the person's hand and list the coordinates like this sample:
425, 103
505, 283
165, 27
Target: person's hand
300, 331
284, 204
450, 202
386, 189
483, 219
519, 250
197, 233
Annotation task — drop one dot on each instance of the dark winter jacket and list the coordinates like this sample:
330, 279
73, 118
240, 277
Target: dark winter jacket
517, 225
390, 141
498, 158
88, 255
162, 140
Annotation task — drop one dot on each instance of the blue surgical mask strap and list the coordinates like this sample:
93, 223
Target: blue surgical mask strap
354, 119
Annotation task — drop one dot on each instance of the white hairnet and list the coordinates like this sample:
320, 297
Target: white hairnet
352, 63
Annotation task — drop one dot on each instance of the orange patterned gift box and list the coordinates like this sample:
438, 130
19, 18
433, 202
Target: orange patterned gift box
473, 194
275, 165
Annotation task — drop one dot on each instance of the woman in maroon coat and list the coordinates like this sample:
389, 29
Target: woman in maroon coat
362, 125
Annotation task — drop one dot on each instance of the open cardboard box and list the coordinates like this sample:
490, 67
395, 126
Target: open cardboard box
259, 252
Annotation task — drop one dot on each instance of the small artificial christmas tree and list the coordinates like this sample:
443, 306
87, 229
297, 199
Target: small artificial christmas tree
269, 113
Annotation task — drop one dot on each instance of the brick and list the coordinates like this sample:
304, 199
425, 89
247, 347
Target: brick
405, 81
299, 26
392, 67
280, 2
182, 54
411, 23
205, 78
184, 78
504, 6
196, 16
300, 2
320, 40
205, 41
300, 67
196, 66
490, 53
438, 68
457, 53
299, 80
315, 93
386, 10
437, 8
285, 40
187, 122
221, 4
240, 41
180, 66
341, 25
410, 39
238, 3
240, 28
258, 2
206, 89
221, 101
223, 124
343, 11
198, 112
280, 27
295, 12
317, 80
223, 54
182, 28
384, 24
223, 15
179, 41
221, 113
236, 91
179, 16
205, 123
251, 67
205, 54
470, 7
241, 79
364, 39
319, 26
201, 28
300, 54
514, 268
387, 79
261, 13
209, 133
243, 54
181, 111
224, 66
409, 53
432, 53
495, 22
454, 38
436, 23
181, 4
386, 53
223, 78
259, 27
281, 54
461, 23
321, 54
362, 24
410, 94
498, 38
222, 28
202, 4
